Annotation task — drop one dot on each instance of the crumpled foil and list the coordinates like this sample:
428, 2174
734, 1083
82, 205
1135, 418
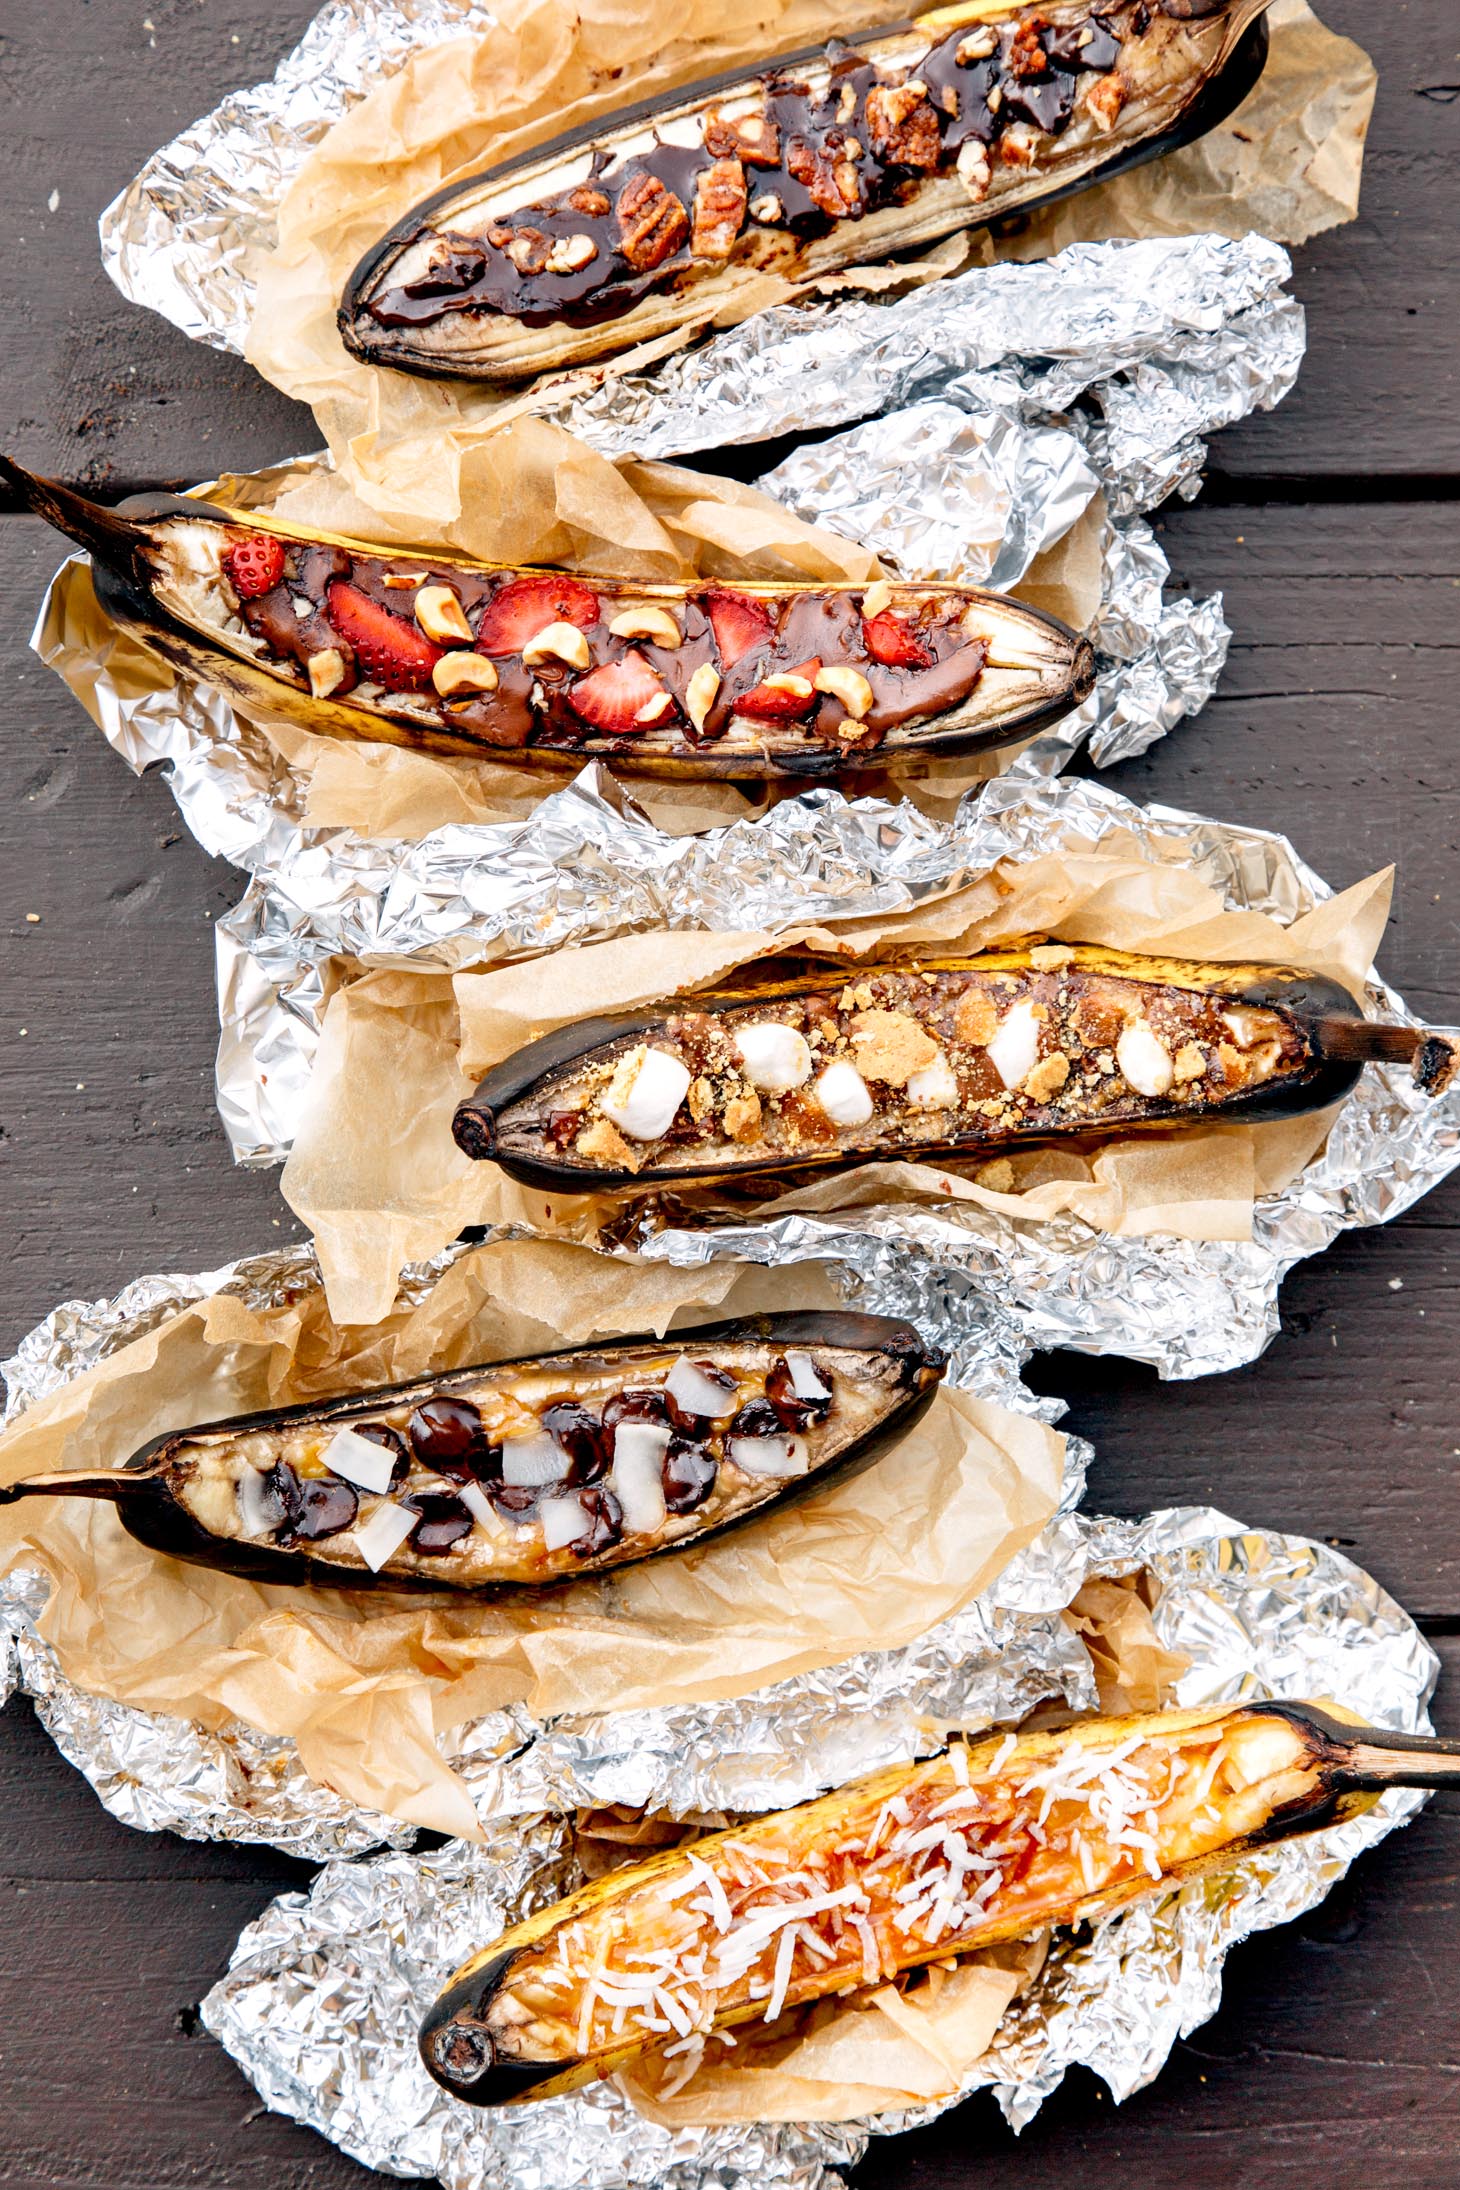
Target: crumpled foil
324, 1993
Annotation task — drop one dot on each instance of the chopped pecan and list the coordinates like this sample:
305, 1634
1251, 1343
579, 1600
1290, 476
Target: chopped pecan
834, 183
904, 125
528, 250
753, 138
651, 221
1104, 99
585, 199
1026, 55
719, 209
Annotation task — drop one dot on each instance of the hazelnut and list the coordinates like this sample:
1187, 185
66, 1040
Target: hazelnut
558, 642
455, 675
700, 693
847, 685
326, 672
647, 622
441, 615
570, 254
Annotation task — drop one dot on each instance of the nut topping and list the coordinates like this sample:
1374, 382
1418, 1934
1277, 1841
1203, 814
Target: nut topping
570, 254
700, 693
1104, 100
457, 674
647, 622
652, 223
767, 209
877, 597
904, 126
719, 209
558, 642
974, 171
528, 250
326, 672
847, 685
441, 615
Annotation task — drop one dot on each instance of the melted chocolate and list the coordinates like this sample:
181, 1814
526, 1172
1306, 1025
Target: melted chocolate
536, 704
819, 158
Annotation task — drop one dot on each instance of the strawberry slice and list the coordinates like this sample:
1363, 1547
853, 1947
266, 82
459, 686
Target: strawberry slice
739, 623
621, 697
520, 609
773, 703
389, 650
889, 641
255, 564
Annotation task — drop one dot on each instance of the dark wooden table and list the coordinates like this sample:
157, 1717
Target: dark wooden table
1331, 526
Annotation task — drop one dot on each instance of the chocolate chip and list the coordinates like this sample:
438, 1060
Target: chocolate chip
689, 1476
445, 1434
582, 1437
444, 1520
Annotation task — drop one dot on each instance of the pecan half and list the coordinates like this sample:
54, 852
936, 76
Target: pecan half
719, 209
651, 222
753, 138
903, 126
585, 199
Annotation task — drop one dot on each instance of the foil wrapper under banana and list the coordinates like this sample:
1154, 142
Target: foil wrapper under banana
1258, 1614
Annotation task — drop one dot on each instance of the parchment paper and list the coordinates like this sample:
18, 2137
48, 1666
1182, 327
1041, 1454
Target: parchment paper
365, 1682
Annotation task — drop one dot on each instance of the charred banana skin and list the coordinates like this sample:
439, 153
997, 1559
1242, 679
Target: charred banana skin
1053, 666
1209, 105
1351, 1767
151, 1511
1305, 998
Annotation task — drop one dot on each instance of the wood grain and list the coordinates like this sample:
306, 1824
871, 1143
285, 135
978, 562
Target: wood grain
1330, 527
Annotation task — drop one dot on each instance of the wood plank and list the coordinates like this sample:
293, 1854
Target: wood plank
108, 394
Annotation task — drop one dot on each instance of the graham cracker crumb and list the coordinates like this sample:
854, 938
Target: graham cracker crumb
742, 1115
1047, 1078
1188, 1063
976, 1020
603, 1143
891, 1046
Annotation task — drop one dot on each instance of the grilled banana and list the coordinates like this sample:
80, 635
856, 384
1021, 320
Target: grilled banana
991, 1841
927, 1057
672, 213
549, 671
522, 1474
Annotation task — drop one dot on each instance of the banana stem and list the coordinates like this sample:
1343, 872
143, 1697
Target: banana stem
1433, 1057
1377, 1760
86, 1483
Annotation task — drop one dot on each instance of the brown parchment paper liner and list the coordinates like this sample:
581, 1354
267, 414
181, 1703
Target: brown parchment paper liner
376, 1176
364, 1685
1287, 163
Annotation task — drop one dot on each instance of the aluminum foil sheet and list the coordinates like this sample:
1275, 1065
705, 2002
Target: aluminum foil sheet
324, 1993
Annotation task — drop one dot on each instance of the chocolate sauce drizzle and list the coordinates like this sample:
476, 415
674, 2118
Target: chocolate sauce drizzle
534, 705
806, 162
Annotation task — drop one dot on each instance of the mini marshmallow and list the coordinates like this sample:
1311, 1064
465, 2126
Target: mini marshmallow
645, 1092
1145, 1061
843, 1094
935, 1087
775, 1057
1014, 1050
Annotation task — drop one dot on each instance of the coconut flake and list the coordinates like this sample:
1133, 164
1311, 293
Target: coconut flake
257, 1509
805, 1382
695, 1393
645, 1092
380, 1538
844, 1095
770, 1455
531, 1462
563, 1522
1014, 1050
368, 1466
476, 1501
774, 1055
638, 1474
